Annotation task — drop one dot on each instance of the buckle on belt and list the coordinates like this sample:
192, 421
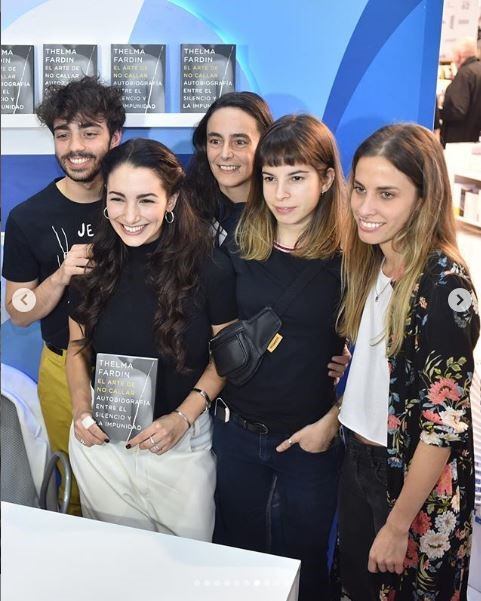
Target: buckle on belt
258, 427
221, 412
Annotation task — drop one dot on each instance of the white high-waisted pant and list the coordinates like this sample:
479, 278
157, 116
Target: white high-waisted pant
171, 493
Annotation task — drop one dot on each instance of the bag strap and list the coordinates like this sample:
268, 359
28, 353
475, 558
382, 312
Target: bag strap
300, 282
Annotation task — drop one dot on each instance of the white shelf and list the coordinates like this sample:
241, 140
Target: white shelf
163, 119
471, 175
468, 221
21, 121
132, 120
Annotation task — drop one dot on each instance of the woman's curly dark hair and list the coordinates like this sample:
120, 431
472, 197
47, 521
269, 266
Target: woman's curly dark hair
174, 264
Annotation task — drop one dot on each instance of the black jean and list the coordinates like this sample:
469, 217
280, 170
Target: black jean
251, 474
363, 510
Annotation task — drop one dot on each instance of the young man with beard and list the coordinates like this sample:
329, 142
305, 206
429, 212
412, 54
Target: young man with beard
47, 236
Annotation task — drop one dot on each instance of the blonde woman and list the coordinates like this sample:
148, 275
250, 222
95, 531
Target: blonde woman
277, 454
406, 492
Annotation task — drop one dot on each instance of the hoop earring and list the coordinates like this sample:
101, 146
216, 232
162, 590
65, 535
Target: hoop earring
169, 216
105, 213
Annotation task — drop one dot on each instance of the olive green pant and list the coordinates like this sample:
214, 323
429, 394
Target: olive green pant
56, 408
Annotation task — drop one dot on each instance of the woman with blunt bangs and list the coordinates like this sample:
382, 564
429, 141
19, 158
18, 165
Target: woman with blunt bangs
407, 485
156, 289
219, 174
275, 437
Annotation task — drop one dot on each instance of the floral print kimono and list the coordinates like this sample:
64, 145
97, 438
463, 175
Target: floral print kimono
429, 401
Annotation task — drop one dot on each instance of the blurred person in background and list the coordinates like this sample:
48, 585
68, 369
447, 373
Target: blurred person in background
461, 112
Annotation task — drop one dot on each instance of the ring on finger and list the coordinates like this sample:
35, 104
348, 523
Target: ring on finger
82, 441
290, 441
155, 448
152, 440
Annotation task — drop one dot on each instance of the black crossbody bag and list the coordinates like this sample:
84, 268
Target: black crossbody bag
238, 349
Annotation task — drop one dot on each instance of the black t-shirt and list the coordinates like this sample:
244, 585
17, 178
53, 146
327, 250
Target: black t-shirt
228, 217
125, 325
291, 387
229, 213
38, 234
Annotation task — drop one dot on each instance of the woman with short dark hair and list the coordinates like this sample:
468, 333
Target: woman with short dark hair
219, 174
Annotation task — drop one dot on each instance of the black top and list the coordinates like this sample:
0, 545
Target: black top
291, 388
38, 233
229, 213
228, 217
124, 326
461, 113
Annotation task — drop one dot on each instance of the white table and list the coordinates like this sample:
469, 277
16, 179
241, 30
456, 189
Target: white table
47, 556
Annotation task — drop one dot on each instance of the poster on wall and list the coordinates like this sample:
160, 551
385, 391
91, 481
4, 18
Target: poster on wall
17, 80
207, 72
64, 62
460, 20
139, 70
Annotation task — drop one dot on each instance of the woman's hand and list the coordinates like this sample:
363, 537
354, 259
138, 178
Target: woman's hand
338, 364
87, 431
316, 437
388, 550
161, 435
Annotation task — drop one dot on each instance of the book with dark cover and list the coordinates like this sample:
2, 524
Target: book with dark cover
139, 70
64, 62
124, 394
207, 72
17, 80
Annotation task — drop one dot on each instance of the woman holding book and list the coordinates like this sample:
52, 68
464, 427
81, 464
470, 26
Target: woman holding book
407, 486
156, 290
275, 436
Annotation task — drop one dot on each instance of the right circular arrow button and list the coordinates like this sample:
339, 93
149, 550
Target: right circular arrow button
460, 300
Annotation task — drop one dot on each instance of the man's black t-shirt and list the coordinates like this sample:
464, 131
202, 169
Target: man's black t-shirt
291, 387
125, 325
38, 234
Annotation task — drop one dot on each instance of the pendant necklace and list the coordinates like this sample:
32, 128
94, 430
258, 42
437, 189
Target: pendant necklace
378, 294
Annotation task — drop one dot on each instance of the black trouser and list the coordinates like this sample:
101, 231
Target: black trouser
249, 474
363, 510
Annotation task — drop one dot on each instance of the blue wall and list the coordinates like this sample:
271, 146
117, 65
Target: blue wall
357, 64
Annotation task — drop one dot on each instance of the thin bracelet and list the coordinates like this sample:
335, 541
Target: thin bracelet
205, 396
183, 416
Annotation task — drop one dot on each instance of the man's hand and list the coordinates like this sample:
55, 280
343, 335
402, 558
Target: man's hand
75, 263
338, 364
